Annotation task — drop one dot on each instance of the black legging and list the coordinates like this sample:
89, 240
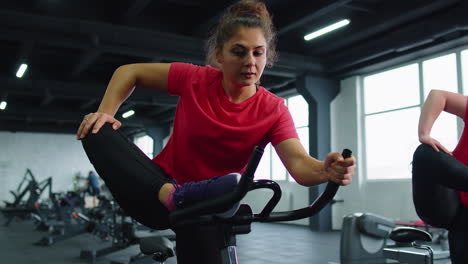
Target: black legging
134, 180
437, 178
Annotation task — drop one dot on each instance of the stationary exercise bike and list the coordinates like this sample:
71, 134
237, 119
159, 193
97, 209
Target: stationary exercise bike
371, 239
110, 221
203, 212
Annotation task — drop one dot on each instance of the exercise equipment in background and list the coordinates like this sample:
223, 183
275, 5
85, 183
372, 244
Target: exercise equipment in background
371, 239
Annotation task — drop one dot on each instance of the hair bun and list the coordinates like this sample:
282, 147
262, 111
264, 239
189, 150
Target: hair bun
248, 8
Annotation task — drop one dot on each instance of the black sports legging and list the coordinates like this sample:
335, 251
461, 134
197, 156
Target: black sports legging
437, 178
134, 180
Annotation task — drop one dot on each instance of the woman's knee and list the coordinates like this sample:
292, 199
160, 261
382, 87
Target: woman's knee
106, 138
422, 152
421, 160
106, 131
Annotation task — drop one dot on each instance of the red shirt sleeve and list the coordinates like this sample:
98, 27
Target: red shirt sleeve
284, 128
180, 76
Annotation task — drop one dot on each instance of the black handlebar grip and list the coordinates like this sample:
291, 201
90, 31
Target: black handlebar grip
346, 153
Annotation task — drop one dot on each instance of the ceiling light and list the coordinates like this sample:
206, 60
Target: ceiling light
129, 113
21, 70
3, 105
327, 29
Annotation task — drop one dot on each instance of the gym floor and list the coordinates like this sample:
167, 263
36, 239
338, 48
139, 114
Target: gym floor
267, 243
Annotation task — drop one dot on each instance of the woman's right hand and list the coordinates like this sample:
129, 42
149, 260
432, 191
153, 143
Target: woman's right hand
94, 121
436, 145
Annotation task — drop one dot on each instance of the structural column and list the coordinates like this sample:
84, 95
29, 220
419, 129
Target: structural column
158, 134
319, 92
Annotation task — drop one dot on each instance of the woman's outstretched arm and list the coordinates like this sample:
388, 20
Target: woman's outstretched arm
120, 87
309, 171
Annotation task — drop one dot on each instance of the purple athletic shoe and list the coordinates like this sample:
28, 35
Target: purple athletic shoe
192, 192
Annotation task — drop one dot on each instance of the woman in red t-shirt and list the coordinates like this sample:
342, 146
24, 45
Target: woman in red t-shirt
440, 177
221, 115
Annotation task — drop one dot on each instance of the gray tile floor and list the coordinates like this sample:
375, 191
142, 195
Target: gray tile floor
267, 243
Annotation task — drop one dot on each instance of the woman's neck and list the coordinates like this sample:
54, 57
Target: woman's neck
239, 94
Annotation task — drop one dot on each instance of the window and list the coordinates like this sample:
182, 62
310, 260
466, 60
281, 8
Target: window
383, 91
391, 139
392, 106
440, 73
264, 168
146, 144
464, 70
270, 166
391, 113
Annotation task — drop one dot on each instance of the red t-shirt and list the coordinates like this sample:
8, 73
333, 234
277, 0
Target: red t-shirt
461, 153
213, 136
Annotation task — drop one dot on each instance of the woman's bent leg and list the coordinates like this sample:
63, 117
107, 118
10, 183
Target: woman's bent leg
458, 238
133, 179
441, 168
436, 203
436, 179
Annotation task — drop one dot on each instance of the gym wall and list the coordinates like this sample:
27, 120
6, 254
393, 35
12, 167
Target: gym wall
58, 156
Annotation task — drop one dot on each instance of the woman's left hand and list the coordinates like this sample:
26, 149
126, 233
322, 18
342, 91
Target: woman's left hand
338, 169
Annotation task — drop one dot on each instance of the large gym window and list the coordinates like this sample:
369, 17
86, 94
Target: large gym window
391, 109
146, 144
391, 114
270, 166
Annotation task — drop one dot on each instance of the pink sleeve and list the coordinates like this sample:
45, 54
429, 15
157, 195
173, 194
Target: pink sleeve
181, 75
283, 128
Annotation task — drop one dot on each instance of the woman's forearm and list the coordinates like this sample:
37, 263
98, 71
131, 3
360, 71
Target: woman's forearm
309, 172
434, 105
120, 87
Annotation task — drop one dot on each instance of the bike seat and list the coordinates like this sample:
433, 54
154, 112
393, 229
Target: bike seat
405, 234
159, 247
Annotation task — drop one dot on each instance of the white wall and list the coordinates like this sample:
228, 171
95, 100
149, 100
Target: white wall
47, 155
389, 198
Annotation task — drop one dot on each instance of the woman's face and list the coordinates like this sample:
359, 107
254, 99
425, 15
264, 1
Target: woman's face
243, 57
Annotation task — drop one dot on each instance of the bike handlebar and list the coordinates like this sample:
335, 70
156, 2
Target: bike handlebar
319, 203
203, 212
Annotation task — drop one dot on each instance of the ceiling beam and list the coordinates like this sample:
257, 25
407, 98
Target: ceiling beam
400, 20
87, 104
89, 57
35, 127
158, 110
24, 53
25, 113
392, 61
47, 97
394, 45
322, 11
123, 40
135, 9
209, 23
168, 118
357, 7
81, 90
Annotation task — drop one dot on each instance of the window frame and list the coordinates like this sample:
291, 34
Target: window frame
361, 89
